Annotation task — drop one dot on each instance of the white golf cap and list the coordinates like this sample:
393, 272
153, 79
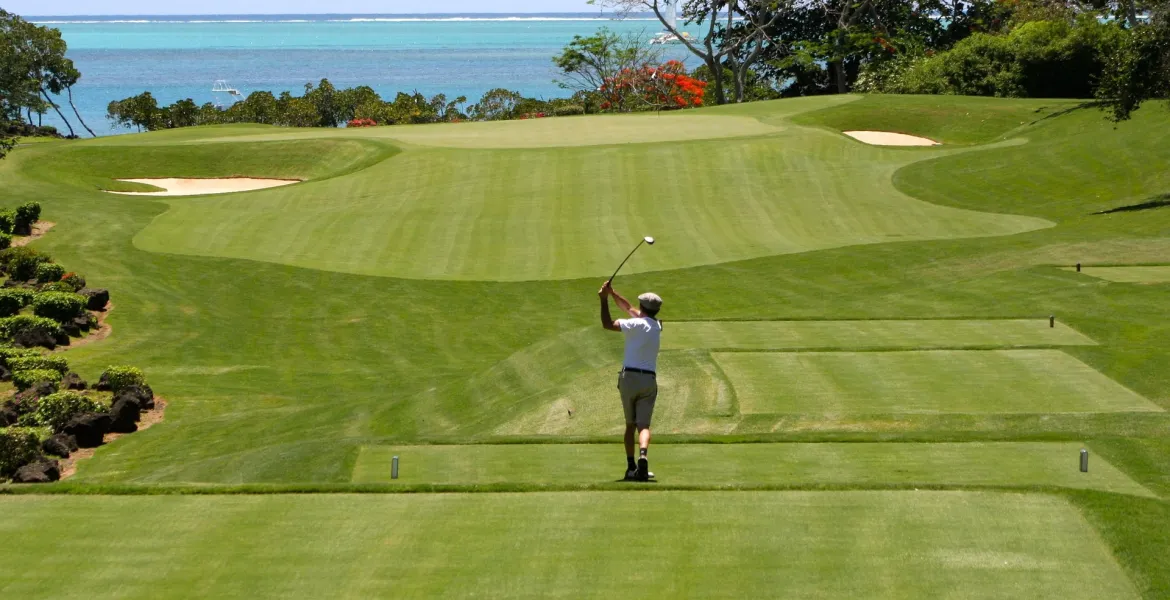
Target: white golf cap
650, 300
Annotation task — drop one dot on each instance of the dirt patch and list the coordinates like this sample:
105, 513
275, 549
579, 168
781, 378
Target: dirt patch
149, 418
38, 231
197, 187
886, 138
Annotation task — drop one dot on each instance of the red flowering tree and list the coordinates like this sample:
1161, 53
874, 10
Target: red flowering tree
662, 87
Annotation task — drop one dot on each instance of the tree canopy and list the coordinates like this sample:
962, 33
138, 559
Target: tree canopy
33, 65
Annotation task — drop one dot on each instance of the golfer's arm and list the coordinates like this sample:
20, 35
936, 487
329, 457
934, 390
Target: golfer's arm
607, 321
625, 306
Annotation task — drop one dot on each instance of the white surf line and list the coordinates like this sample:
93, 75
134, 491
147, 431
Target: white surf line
886, 138
195, 187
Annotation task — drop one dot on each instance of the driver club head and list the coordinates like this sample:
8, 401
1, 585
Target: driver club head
649, 240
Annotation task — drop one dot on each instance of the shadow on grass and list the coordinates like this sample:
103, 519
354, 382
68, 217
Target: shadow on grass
1156, 202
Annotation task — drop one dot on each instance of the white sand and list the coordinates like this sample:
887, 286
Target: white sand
885, 138
195, 187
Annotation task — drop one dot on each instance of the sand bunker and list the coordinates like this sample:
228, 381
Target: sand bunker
196, 187
885, 138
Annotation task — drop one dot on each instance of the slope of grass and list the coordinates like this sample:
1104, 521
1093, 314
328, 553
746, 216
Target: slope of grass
950, 120
571, 545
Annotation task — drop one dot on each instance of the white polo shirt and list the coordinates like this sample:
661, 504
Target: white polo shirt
643, 336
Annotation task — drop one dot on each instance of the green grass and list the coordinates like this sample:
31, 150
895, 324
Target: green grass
1134, 274
571, 545
942, 381
743, 465
909, 334
418, 290
940, 118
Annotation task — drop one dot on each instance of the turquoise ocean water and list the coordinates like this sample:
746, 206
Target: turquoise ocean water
182, 57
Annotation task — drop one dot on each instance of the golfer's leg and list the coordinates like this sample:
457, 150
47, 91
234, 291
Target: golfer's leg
631, 431
628, 397
645, 413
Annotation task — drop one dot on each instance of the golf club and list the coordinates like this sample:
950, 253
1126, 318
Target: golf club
645, 240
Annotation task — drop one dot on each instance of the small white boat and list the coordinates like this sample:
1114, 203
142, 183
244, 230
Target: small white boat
671, 18
221, 86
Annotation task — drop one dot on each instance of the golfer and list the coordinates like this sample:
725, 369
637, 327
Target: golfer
637, 383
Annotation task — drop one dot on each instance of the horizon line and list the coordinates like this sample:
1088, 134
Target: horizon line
323, 14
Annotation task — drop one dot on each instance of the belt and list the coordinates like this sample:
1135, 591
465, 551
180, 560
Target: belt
633, 370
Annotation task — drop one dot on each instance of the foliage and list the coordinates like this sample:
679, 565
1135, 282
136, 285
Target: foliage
18, 447
26, 215
21, 262
1139, 69
28, 378
662, 87
57, 286
587, 63
11, 326
55, 410
59, 306
14, 299
7, 220
353, 123
47, 272
9, 353
38, 361
5, 241
120, 377
1049, 59
33, 67
73, 280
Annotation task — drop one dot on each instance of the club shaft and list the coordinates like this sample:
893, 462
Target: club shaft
624, 261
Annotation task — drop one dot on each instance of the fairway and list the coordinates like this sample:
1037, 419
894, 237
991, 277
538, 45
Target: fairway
1023, 464
974, 381
810, 335
1134, 274
903, 545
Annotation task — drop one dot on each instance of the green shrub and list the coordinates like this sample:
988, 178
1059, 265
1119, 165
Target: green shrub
5, 241
75, 281
26, 379
26, 215
57, 286
61, 306
55, 410
569, 110
18, 447
48, 271
7, 219
119, 377
27, 363
10, 327
14, 299
21, 262
8, 354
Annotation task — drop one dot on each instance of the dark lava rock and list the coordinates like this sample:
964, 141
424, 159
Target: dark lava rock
5, 374
40, 471
73, 381
60, 444
98, 298
71, 328
8, 416
10, 283
89, 428
125, 413
83, 322
141, 395
33, 338
38, 389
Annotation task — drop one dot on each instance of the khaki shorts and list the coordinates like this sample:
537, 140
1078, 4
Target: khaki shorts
639, 391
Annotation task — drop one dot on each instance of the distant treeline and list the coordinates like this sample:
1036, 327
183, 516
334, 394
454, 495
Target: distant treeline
324, 105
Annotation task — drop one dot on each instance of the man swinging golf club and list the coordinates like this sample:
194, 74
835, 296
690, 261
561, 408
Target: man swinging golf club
637, 383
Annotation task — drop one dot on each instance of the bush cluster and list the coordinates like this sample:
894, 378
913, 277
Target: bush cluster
7, 220
26, 215
27, 363
48, 271
9, 354
73, 280
21, 262
18, 447
120, 377
10, 327
59, 306
55, 410
26, 379
14, 299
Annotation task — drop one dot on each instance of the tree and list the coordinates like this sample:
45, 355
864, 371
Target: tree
586, 63
139, 111
1140, 68
736, 31
496, 105
32, 64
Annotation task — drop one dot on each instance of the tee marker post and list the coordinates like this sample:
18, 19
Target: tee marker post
1052, 321
394, 468
1084, 460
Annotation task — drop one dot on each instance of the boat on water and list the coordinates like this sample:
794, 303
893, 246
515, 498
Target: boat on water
671, 17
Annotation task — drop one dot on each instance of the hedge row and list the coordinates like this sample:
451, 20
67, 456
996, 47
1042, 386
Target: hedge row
18, 447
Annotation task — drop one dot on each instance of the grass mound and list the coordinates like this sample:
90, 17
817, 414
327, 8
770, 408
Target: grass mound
940, 118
